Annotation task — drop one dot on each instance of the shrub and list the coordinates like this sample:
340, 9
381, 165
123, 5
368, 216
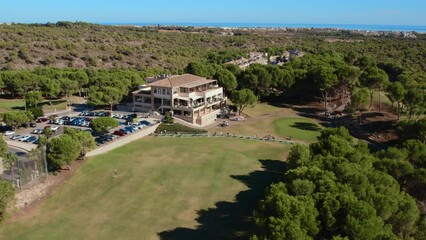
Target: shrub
37, 112
171, 128
103, 124
168, 118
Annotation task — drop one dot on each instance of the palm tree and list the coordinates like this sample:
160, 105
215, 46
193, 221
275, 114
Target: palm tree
9, 160
35, 156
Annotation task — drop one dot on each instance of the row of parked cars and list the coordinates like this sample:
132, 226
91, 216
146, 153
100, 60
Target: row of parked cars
132, 128
74, 121
95, 114
24, 138
107, 114
122, 132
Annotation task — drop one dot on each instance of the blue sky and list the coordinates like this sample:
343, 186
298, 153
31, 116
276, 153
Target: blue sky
381, 12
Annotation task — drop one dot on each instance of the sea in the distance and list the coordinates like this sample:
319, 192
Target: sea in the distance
398, 28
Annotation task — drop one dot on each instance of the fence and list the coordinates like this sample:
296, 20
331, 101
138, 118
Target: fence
267, 139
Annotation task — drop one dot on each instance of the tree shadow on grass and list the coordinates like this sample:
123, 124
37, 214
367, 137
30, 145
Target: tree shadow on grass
232, 220
306, 126
22, 108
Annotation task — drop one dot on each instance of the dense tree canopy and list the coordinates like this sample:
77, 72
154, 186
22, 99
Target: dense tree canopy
17, 118
32, 98
63, 150
333, 190
7, 196
85, 138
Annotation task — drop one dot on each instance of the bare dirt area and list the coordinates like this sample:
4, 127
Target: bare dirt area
29, 198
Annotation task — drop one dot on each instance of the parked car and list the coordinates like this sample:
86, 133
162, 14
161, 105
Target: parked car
9, 133
37, 131
104, 138
23, 138
145, 123
42, 119
15, 137
126, 130
30, 139
120, 133
54, 128
33, 124
131, 129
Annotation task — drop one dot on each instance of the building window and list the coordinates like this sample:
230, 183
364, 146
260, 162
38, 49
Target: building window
166, 102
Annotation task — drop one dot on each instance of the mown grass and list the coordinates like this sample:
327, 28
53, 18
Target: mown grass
297, 128
7, 105
264, 119
163, 185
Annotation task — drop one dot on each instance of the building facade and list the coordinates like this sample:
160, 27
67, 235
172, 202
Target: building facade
194, 99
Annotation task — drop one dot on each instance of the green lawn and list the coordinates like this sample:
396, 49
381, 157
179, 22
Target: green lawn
166, 188
299, 128
7, 105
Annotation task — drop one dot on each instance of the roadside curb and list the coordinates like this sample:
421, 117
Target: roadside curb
15, 145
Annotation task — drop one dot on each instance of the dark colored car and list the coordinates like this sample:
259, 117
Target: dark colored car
30, 139
144, 122
33, 124
42, 119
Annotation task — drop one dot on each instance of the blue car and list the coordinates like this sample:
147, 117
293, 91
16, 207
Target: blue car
131, 129
144, 122
126, 130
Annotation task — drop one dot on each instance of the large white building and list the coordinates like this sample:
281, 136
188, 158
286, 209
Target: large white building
194, 99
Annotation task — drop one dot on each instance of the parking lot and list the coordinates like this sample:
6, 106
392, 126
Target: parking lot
128, 123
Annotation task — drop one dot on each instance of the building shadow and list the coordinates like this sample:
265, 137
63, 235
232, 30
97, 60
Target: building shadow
232, 220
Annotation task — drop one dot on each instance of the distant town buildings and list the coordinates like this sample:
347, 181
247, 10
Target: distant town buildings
264, 59
253, 57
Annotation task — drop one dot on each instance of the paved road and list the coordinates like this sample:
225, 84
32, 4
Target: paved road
21, 145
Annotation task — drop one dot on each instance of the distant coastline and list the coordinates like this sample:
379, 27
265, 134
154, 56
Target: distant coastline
361, 27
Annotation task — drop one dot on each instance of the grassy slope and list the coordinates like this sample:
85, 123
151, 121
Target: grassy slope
10, 105
298, 128
266, 119
18, 104
161, 184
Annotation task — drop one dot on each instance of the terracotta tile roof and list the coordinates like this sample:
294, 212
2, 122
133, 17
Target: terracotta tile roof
179, 80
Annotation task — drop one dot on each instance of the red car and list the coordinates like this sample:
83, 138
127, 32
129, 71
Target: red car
42, 119
120, 133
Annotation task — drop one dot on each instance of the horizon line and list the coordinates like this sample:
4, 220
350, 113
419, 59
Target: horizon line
213, 22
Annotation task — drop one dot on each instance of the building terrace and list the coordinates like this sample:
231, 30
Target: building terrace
194, 99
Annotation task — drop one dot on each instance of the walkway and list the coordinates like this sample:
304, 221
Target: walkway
123, 140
